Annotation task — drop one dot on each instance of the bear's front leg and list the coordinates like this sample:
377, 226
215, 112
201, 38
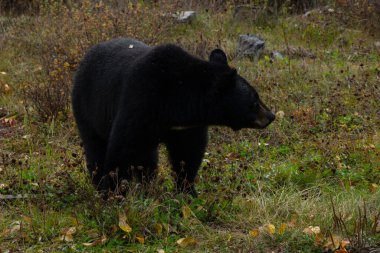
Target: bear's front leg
186, 150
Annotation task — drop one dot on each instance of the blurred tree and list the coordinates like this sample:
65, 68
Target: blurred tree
296, 6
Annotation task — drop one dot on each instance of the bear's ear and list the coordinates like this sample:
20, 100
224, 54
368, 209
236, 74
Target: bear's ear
217, 55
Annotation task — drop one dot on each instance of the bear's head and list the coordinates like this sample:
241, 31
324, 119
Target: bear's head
236, 104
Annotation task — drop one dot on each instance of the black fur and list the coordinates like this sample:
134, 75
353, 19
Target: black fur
129, 97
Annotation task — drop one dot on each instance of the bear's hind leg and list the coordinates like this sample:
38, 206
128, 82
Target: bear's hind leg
95, 151
186, 149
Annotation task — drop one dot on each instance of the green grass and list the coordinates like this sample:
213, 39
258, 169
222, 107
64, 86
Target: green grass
322, 155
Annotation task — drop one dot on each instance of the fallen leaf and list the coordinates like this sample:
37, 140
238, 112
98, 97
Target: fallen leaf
254, 232
186, 242
26, 219
3, 186
319, 239
269, 228
160, 251
123, 223
15, 227
312, 230
280, 114
282, 228
140, 239
186, 212
342, 247
67, 234
11, 121
70, 230
158, 228
66, 238
7, 88
333, 242
373, 188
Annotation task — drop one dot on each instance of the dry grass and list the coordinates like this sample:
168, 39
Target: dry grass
325, 147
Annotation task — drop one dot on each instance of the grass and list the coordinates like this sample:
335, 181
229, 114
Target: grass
321, 156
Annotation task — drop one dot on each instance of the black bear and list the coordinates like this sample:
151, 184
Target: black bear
128, 97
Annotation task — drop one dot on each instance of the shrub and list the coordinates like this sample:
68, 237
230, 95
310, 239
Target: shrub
59, 36
18, 6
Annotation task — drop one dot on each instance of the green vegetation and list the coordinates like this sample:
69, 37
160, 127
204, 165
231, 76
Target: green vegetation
317, 165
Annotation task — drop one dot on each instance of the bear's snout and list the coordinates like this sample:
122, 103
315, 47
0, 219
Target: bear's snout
264, 117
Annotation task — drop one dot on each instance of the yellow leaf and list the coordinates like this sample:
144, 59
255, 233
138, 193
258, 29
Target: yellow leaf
254, 232
282, 228
310, 230
140, 239
123, 223
373, 188
270, 228
186, 242
186, 212
158, 228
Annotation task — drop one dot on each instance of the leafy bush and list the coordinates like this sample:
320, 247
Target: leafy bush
18, 6
61, 35
296, 6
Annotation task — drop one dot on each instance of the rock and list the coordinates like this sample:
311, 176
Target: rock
185, 16
250, 45
275, 55
377, 44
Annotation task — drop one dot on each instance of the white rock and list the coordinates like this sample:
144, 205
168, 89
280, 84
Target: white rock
185, 16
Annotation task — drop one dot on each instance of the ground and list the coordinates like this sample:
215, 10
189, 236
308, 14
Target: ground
260, 191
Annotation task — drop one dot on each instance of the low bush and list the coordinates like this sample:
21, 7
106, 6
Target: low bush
62, 34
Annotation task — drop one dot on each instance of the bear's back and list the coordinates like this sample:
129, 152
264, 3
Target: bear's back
98, 81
